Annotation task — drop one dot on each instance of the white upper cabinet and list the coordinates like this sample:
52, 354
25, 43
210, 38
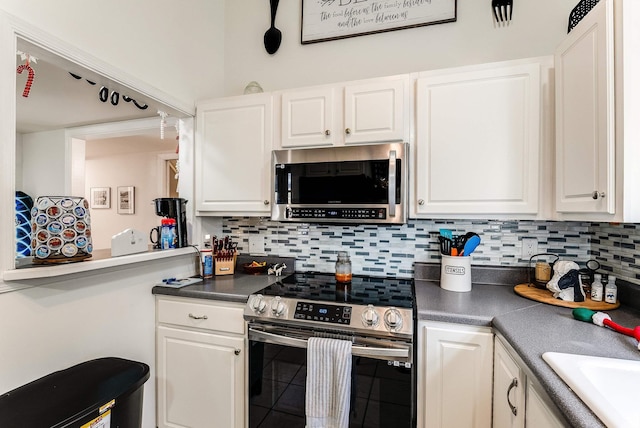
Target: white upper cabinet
362, 112
597, 150
307, 118
232, 155
478, 141
585, 112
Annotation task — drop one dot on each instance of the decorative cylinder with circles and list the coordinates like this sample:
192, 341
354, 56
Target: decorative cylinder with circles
24, 204
60, 229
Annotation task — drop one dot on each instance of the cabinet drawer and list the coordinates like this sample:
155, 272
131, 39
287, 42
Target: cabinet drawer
222, 317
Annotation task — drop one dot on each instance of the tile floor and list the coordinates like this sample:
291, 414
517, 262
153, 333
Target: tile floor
382, 392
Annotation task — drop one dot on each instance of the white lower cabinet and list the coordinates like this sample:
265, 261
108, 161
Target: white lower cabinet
454, 375
508, 390
517, 399
201, 364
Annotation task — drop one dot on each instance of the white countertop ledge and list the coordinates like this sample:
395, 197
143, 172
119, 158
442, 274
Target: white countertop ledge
101, 260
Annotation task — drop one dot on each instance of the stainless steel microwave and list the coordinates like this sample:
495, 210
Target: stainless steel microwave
347, 184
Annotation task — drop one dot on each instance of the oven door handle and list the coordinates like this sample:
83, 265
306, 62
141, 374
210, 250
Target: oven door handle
358, 351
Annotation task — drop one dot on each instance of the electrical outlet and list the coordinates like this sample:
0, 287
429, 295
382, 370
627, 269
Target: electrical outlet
529, 247
256, 244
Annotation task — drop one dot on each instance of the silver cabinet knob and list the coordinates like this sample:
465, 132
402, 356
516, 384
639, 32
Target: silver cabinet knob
266, 202
347, 131
420, 201
327, 132
596, 194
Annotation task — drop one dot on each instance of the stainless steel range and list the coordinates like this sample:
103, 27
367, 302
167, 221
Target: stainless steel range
375, 314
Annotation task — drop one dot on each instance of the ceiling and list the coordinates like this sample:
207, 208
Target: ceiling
59, 100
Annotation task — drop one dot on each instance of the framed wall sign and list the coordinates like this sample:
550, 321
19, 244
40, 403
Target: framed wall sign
100, 197
126, 200
324, 20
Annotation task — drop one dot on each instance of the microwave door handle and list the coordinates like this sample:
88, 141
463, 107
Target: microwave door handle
392, 183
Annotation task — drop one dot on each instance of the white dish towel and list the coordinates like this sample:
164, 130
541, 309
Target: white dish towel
328, 389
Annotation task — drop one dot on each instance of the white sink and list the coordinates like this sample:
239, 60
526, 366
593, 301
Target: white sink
609, 386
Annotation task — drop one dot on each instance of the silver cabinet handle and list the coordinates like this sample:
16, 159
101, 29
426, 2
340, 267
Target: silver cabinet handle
514, 409
347, 131
237, 351
266, 202
596, 194
327, 132
420, 201
195, 317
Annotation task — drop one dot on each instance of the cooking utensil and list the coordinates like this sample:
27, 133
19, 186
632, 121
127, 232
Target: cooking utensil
471, 244
445, 245
273, 36
460, 241
446, 233
502, 10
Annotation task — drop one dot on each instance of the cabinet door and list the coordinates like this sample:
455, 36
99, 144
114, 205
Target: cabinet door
585, 128
307, 118
233, 155
376, 111
478, 141
454, 376
538, 413
200, 379
508, 390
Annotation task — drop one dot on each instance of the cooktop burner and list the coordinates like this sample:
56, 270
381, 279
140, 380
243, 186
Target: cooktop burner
361, 291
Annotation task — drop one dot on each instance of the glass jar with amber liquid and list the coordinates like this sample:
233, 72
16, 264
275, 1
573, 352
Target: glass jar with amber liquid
343, 267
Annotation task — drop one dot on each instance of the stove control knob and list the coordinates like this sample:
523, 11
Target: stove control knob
393, 319
370, 317
258, 304
277, 307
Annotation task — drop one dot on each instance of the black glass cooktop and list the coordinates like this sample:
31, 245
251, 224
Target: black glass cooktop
362, 290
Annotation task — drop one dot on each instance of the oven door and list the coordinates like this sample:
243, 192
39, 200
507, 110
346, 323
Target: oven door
382, 384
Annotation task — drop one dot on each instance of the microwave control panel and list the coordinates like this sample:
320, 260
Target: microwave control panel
345, 213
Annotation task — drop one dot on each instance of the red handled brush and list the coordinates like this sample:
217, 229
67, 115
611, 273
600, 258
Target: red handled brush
602, 319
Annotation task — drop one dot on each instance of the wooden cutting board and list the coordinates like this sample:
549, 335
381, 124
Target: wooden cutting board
544, 296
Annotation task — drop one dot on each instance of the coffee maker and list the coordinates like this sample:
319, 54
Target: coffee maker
175, 208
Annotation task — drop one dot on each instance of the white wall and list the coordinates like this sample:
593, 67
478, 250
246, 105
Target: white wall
64, 322
46, 171
536, 29
174, 46
125, 161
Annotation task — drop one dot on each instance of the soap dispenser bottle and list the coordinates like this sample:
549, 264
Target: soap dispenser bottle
596, 288
611, 290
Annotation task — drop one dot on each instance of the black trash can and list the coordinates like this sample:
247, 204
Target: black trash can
106, 392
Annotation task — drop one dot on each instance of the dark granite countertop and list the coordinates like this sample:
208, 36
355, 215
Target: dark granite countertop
230, 288
530, 328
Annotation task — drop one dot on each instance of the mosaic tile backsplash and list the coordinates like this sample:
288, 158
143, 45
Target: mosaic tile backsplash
391, 250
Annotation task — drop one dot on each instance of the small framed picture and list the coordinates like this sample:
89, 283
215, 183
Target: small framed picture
126, 200
101, 197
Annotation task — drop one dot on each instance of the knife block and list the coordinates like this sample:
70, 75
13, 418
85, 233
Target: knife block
224, 266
